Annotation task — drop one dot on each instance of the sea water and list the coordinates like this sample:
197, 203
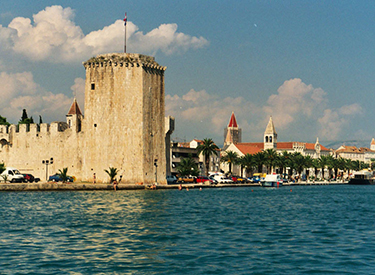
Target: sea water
290, 230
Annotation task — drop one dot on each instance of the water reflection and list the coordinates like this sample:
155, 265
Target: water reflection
174, 232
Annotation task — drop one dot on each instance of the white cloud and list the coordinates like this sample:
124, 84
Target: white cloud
79, 91
294, 98
19, 91
53, 36
333, 122
208, 114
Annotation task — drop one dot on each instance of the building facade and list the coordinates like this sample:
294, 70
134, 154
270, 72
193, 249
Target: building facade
123, 126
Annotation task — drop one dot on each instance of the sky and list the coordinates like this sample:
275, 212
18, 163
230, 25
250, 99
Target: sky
308, 64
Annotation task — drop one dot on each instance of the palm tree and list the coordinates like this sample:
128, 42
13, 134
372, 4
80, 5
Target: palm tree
299, 162
322, 163
188, 166
247, 161
283, 161
271, 158
2, 167
315, 165
207, 148
308, 165
64, 174
259, 160
231, 158
112, 173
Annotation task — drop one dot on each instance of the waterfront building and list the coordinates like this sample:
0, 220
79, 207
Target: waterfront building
314, 150
180, 150
123, 126
353, 153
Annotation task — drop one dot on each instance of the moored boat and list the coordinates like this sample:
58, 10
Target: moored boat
362, 178
272, 180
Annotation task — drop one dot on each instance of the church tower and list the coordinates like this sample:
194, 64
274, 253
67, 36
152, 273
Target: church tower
372, 145
74, 117
232, 134
270, 136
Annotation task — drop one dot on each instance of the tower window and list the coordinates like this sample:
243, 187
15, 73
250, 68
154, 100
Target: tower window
270, 138
92, 86
266, 138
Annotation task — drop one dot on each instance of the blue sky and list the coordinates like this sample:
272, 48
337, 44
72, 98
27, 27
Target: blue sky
309, 64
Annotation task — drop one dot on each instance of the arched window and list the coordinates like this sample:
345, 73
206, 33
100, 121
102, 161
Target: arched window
270, 138
266, 138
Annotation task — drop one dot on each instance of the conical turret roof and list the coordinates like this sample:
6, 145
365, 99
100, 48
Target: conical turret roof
74, 109
232, 121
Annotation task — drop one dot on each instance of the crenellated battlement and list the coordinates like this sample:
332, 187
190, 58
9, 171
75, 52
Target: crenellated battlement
34, 128
123, 60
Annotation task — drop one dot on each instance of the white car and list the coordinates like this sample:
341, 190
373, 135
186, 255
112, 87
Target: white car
221, 179
12, 175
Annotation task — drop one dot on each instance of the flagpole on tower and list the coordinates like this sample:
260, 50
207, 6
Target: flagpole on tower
125, 20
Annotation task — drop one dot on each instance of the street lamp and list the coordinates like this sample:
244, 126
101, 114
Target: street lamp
46, 162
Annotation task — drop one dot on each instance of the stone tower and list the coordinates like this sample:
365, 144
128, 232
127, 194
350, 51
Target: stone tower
124, 121
232, 134
74, 117
270, 136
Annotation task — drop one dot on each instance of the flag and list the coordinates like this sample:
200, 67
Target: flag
125, 19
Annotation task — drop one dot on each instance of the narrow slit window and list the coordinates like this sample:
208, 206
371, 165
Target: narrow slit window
92, 86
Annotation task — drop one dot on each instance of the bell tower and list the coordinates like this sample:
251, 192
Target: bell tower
270, 136
232, 134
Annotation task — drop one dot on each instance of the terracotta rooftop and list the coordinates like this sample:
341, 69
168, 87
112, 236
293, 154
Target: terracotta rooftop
74, 109
285, 145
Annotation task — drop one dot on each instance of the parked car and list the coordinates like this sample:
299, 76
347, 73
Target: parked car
204, 179
222, 179
30, 178
171, 179
57, 177
187, 179
12, 175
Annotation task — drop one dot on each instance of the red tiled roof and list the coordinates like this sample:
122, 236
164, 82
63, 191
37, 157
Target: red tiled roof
248, 149
285, 145
232, 121
74, 109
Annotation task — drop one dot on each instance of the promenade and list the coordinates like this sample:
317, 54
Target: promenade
82, 186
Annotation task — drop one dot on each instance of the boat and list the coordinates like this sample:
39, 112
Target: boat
272, 180
363, 177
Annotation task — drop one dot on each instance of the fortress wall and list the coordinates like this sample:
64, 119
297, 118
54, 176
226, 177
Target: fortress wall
26, 150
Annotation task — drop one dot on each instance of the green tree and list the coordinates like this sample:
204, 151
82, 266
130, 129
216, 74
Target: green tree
207, 148
247, 161
299, 162
187, 167
308, 165
112, 173
259, 160
315, 165
3, 121
271, 158
2, 167
283, 161
231, 158
24, 118
323, 161
64, 174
